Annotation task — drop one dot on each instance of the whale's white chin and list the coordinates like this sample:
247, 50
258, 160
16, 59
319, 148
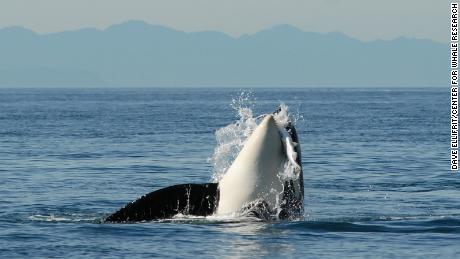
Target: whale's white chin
254, 173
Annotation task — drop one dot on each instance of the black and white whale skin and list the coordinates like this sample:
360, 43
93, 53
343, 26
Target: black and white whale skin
250, 186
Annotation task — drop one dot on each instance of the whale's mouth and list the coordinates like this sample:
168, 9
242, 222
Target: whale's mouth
284, 123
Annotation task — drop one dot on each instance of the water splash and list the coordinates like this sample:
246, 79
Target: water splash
231, 138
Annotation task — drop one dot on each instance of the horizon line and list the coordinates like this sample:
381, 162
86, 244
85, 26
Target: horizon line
216, 87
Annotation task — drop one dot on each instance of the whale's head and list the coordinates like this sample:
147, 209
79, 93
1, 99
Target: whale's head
254, 175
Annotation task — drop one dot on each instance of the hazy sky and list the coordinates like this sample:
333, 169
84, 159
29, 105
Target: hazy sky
362, 19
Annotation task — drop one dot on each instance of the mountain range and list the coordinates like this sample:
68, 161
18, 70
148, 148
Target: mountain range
138, 54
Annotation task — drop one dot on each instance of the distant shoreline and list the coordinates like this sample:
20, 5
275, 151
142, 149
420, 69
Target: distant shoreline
139, 54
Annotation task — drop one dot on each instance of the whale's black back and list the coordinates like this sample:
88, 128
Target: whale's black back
188, 199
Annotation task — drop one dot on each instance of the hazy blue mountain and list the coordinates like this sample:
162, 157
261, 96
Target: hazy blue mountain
138, 54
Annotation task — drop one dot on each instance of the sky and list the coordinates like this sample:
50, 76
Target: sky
362, 19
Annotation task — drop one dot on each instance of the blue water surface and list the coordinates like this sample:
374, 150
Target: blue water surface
376, 167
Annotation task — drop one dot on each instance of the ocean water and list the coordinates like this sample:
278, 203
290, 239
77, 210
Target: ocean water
376, 168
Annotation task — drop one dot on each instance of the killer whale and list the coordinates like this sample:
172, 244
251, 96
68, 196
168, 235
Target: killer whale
250, 186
